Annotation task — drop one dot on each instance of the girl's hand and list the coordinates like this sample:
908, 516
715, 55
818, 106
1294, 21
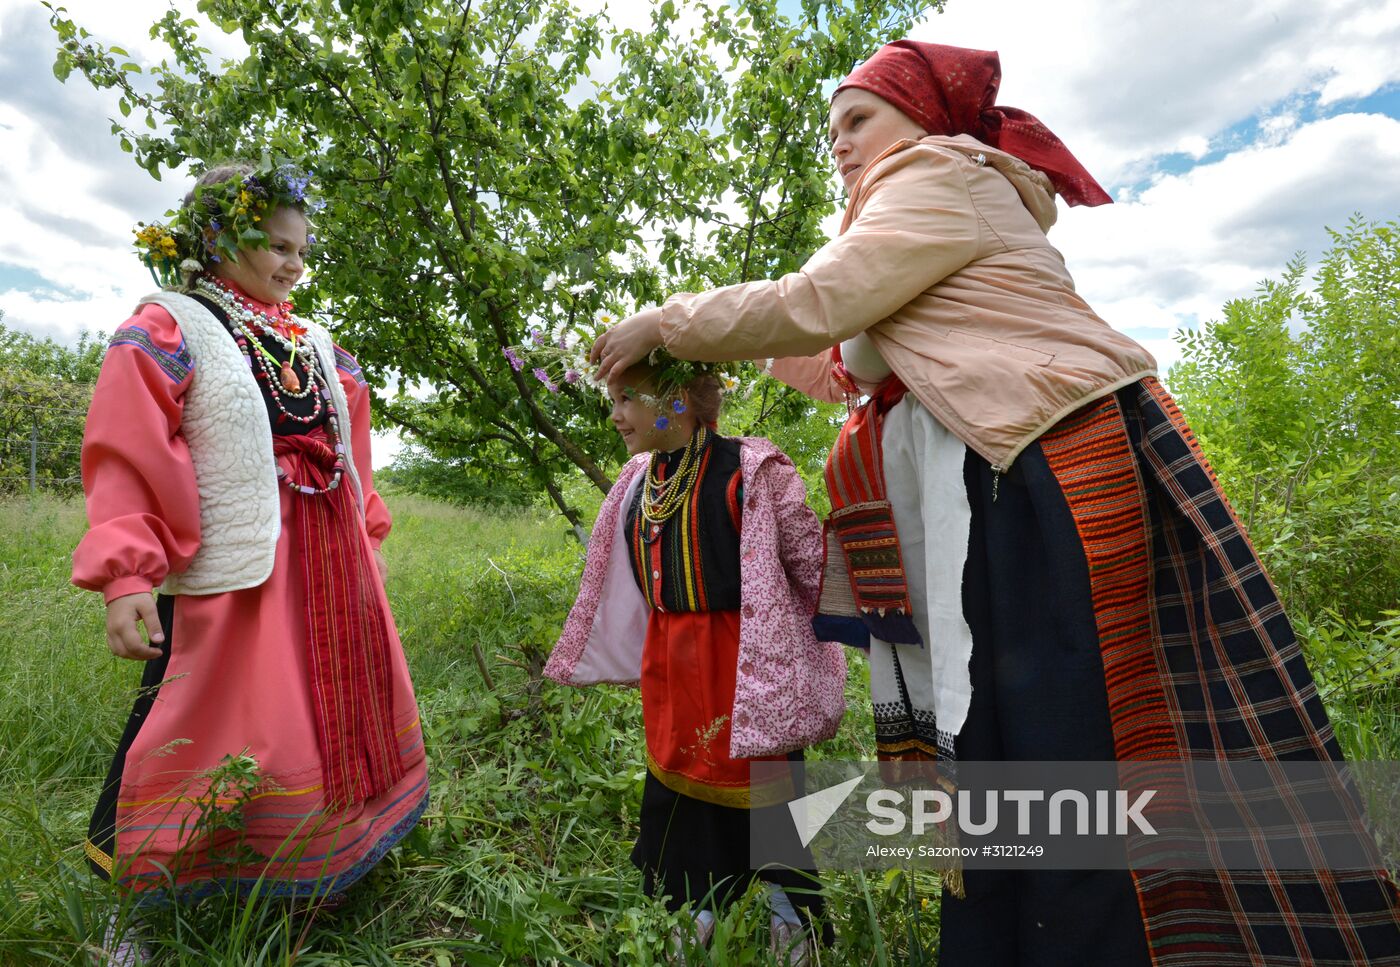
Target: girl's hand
383, 566
627, 343
123, 637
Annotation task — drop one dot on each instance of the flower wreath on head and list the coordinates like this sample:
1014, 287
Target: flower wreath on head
559, 359
221, 218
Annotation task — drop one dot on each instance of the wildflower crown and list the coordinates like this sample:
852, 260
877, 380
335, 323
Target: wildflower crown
559, 359
220, 216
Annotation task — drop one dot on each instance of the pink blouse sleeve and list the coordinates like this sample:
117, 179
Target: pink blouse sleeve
142, 499
810, 375
352, 380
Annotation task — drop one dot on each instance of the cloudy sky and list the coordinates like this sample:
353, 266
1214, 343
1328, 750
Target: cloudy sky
1230, 134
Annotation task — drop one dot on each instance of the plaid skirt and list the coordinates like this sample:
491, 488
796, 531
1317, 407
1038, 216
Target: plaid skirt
1118, 611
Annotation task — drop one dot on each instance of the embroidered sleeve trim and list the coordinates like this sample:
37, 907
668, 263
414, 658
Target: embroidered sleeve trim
348, 365
176, 365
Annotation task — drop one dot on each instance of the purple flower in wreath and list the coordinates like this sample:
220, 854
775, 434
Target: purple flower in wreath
516, 363
678, 406
311, 239
662, 423
537, 337
294, 182
572, 376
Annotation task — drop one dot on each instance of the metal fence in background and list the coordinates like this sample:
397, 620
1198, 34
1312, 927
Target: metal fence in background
41, 434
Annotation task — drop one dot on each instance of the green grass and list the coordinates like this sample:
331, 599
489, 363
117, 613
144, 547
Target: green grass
523, 856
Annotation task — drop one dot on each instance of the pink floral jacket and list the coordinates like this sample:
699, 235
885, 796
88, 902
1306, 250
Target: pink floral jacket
790, 689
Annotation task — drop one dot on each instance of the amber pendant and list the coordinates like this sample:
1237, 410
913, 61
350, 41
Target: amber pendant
290, 382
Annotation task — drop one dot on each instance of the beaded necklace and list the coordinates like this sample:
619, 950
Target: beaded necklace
279, 326
662, 498
247, 323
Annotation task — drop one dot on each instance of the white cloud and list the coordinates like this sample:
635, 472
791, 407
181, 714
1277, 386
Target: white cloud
62, 317
1124, 82
126, 23
1194, 145
385, 446
69, 196
1275, 128
1177, 252
59, 224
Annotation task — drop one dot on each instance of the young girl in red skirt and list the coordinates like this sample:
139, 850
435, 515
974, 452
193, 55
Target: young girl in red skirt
701, 579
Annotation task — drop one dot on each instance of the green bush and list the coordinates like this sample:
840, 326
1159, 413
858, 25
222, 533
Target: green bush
45, 389
1295, 395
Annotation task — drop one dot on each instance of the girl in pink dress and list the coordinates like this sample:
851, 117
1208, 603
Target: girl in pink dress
226, 464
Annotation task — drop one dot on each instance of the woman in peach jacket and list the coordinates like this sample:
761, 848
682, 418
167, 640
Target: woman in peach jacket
1024, 532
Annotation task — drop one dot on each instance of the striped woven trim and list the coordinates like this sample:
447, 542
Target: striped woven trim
862, 521
1093, 462
348, 648
288, 874
688, 563
1247, 692
646, 557
677, 554
348, 365
906, 749
734, 501
854, 473
176, 365
1092, 459
1199, 661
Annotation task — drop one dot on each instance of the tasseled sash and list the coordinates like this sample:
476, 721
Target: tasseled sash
864, 590
348, 636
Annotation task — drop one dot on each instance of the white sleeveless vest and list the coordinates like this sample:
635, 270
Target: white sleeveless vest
230, 441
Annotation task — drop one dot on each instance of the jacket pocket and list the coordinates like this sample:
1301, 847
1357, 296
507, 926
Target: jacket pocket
1024, 353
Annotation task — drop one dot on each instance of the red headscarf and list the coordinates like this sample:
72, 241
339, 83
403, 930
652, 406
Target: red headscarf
952, 90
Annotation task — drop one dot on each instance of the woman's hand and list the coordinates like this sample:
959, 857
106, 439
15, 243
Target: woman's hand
626, 343
382, 565
123, 637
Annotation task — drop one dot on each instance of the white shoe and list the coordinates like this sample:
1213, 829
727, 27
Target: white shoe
788, 938
789, 943
702, 928
124, 950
